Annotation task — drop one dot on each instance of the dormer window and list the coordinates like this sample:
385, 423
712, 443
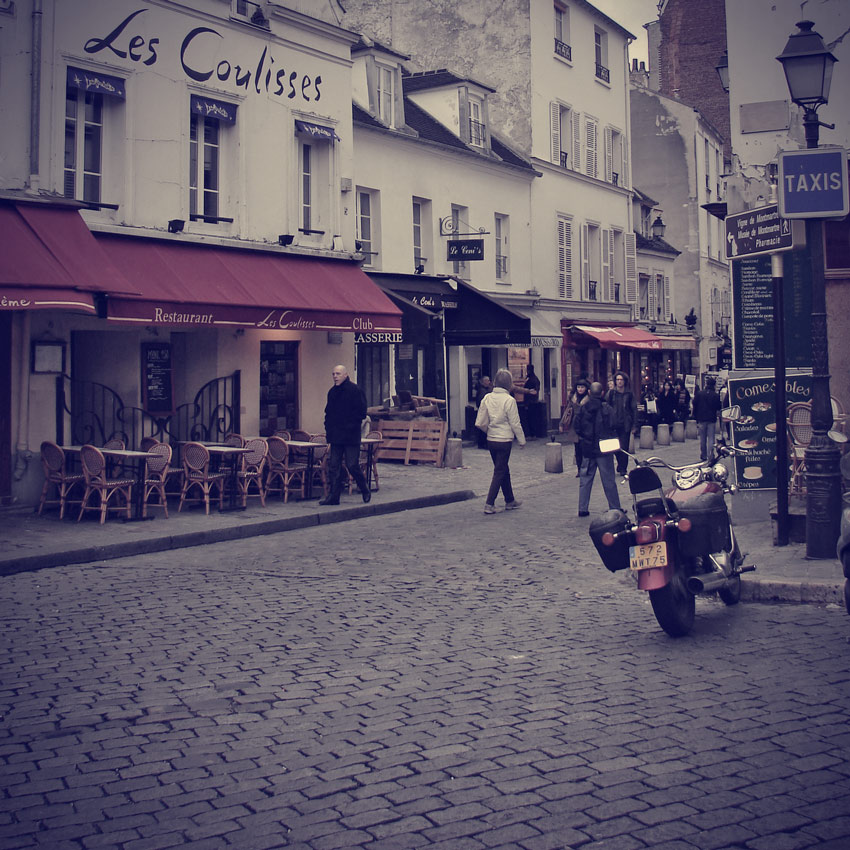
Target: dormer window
477, 125
386, 94
646, 221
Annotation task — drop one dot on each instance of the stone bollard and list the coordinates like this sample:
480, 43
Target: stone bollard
554, 458
678, 432
691, 432
647, 440
663, 435
454, 452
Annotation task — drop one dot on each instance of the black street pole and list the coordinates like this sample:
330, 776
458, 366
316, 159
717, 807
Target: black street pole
822, 457
776, 271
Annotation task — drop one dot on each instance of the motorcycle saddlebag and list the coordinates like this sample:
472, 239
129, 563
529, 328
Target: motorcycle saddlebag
615, 557
709, 525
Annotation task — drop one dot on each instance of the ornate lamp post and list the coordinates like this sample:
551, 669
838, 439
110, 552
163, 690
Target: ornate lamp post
808, 71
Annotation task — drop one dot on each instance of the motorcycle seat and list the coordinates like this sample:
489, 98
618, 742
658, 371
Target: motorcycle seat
655, 505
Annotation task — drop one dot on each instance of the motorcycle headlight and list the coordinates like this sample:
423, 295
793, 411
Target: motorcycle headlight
720, 473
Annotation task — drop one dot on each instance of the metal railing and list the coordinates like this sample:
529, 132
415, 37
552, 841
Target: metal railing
591, 290
564, 157
603, 73
563, 50
501, 266
477, 132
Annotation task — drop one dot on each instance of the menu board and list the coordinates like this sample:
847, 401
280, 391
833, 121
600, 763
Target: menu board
752, 301
157, 394
755, 431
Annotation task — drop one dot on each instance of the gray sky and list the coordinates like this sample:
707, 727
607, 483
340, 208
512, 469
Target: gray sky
631, 14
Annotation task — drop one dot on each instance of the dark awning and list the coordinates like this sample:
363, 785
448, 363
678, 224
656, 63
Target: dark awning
50, 260
619, 337
195, 285
481, 320
429, 291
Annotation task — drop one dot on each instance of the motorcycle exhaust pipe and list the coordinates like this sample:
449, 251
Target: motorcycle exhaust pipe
706, 583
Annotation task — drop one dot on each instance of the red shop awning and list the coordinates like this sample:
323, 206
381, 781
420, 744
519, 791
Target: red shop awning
50, 260
622, 337
195, 285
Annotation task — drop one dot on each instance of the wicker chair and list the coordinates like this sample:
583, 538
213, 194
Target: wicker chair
800, 432
148, 443
284, 470
115, 468
300, 434
284, 435
53, 463
94, 473
235, 440
253, 466
364, 461
157, 470
196, 474
320, 462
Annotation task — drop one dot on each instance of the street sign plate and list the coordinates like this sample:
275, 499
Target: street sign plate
813, 183
761, 231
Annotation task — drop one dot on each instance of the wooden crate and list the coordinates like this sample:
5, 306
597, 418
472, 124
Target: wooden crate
422, 440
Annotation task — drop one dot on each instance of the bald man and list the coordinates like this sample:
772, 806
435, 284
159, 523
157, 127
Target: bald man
344, 413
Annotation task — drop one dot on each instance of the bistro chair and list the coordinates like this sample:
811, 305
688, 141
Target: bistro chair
53, 463
320, 462
800, 431
284, 435
235, 440
364, 461
197, 475
838, 416
284, 470
253, 466
115, 468
97, 482
156, 475
300, 435
148, 443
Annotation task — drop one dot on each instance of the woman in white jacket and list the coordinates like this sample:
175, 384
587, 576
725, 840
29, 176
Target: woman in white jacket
499, 418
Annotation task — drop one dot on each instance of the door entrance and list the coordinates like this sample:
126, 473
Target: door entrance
278, 387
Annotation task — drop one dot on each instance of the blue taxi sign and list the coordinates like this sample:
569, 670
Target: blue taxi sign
813, 183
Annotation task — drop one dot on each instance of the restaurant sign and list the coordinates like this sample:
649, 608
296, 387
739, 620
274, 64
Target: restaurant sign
461, 250
433, 301
378, 338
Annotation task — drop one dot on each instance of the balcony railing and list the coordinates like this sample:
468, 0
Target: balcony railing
603, 73
563, 50
501, 267
477, 132
591, 290
615, 178
616, 293
564, 156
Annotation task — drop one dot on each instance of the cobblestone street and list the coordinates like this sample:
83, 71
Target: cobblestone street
433, 678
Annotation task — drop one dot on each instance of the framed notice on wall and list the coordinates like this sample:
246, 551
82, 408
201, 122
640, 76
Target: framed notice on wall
157, 385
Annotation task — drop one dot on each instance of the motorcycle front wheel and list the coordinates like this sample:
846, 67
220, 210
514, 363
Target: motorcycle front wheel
674, 606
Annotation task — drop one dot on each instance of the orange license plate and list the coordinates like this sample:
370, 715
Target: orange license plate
648, 555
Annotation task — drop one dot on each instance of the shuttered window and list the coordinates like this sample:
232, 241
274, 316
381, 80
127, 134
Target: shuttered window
565, 258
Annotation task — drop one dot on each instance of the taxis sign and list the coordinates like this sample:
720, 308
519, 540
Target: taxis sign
813, 183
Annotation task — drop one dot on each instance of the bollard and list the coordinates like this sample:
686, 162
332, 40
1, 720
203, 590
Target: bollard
678, 432
691, 432
663, 436
554, 458
646, 437
454, 452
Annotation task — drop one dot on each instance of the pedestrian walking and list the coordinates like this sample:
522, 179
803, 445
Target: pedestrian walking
568, 421
344, 413
595, 422
666, 403
622, 402
499, 418
706, 408
683, 401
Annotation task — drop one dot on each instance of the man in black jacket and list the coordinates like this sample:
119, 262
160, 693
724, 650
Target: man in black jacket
344, 414
624, 407
706, 408
594, 422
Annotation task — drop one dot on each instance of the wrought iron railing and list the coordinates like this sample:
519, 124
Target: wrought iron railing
591, 290
91, 412
603, 73
501, 266
563, 50
564, 157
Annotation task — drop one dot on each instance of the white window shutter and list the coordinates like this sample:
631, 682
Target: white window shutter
591, 131
585, 262
609, 155
629, 242
565, 258
652, 298
555, 131
667, 309
624, 174
576, 122
607, 262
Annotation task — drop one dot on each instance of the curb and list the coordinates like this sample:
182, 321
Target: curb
31, 563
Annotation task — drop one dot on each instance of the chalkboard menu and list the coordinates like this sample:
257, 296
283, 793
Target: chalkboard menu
755, 431
752, 300
157, 394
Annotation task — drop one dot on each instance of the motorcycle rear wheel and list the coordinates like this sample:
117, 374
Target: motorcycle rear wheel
674, 607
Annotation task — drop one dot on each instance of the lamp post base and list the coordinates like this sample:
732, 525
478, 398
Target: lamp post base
823, 497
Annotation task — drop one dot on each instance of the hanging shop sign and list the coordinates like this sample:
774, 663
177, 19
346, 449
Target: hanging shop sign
462, 250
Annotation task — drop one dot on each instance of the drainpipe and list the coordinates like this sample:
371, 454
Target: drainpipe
23, 455
35, 96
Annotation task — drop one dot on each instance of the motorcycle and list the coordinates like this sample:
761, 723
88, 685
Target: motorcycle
843, 552
681, 542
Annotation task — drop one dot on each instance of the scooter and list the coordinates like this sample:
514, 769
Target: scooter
681, 543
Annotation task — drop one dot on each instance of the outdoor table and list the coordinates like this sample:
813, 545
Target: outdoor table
220, 451
141, 471
310, 449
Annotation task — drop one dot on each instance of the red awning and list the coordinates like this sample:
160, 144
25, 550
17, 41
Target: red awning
622, 337
196, 285
50, 260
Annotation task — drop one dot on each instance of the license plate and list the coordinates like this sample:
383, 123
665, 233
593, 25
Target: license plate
647, 556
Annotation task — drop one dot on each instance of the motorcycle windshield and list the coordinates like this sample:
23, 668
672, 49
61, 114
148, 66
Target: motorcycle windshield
643, 480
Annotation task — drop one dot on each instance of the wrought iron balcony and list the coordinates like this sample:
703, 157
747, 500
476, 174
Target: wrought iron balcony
563, 50
615, 178
564, 156
603, 73
591, 290
616, 293
501, 267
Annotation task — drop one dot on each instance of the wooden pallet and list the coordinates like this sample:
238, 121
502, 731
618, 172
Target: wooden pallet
422, 440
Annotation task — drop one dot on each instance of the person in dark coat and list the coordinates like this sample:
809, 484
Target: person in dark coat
683, 402
594, 422
622, 402
344, 414
666, 402
706, 409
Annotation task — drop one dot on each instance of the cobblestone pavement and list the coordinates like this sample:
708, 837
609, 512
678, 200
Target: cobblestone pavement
433, 678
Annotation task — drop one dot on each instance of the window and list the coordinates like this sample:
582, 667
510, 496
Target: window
367, 224
385, 95
562, 32
500, 231
83, 145
660, 298
600, 41
646, 222
477, 126
643, 296
565, 257
614, 157
590, 261
618, 271
421, 234
203, 168
306, 187
563, 127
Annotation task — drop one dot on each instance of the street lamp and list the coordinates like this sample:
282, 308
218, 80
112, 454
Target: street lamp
722, 68
658, 228
808, 71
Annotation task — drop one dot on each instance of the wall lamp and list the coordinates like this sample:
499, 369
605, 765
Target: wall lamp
285, 239
658, 228
176, 225
722, 68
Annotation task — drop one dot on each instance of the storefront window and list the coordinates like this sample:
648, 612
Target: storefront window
278, 387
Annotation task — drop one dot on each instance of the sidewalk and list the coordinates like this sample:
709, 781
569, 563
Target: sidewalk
29, 542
